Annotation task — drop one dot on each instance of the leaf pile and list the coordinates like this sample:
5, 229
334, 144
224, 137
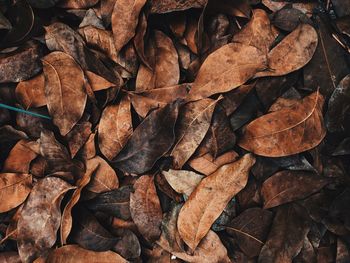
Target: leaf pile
175, 131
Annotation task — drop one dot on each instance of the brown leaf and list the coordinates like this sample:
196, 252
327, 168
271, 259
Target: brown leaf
78, 136
74, 253
250, 229
274, 6
40, 218
97, 82
258, 32
270, 134
21, 64
89, 233
163, 59
128, 245
67, 221
31, 93
166, 6
290, 227
65, 98
292, 53
14, 189
183, 182
19, 158
104, 179
144, 102
227, 68
10, 257
77, 4
124, 21
286, 186
115, 128
193, 124
145, 208
150, 141
207, 164
210, 198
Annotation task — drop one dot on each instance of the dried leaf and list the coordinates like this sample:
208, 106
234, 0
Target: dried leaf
31, 93
160, 7
78, 136
227, 68
124, 21
183, 182
284, 187
77, 4
65, 98
115, 128
10, 257
150, 141
269, 135
292, 53
193, 124
145, 208
74, 253
14, 189
104, 179
210, 198
40, 218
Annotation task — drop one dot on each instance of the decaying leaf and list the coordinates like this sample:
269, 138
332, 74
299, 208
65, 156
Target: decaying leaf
227, 68
209, 199
150, 141
145, 208
78, 254
115, 128
65, 98
270, 134
124, 21
284, 187
14, 189
193, 124
40, 218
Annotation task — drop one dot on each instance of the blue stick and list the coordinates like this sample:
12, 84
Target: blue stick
24, 111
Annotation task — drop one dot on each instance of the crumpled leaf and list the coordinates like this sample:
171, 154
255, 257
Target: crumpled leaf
227, 68
40, 218
64, 90
145, 208
14, 189
284, 187
193, 124
150, 141
292, 53
269, 135
78, 254
124, 21
115, 128
210, 198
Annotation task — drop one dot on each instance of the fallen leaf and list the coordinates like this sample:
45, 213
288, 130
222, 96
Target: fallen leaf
115, 128
31, 93
78, 136
250, 229
124, 21
150, 141
88, 233
67, 221
288, 19
183, 182
258, 32
274, 6
284, 187
77, 4
286, 236
292, 53
65, 98
210, 198
193, 124
14, 189
163, 59
227, 68
74, 253
104, 179
97, 82
207, 164
10, 257
160, 7
146, 101
40, 218
145, 208
268, 135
